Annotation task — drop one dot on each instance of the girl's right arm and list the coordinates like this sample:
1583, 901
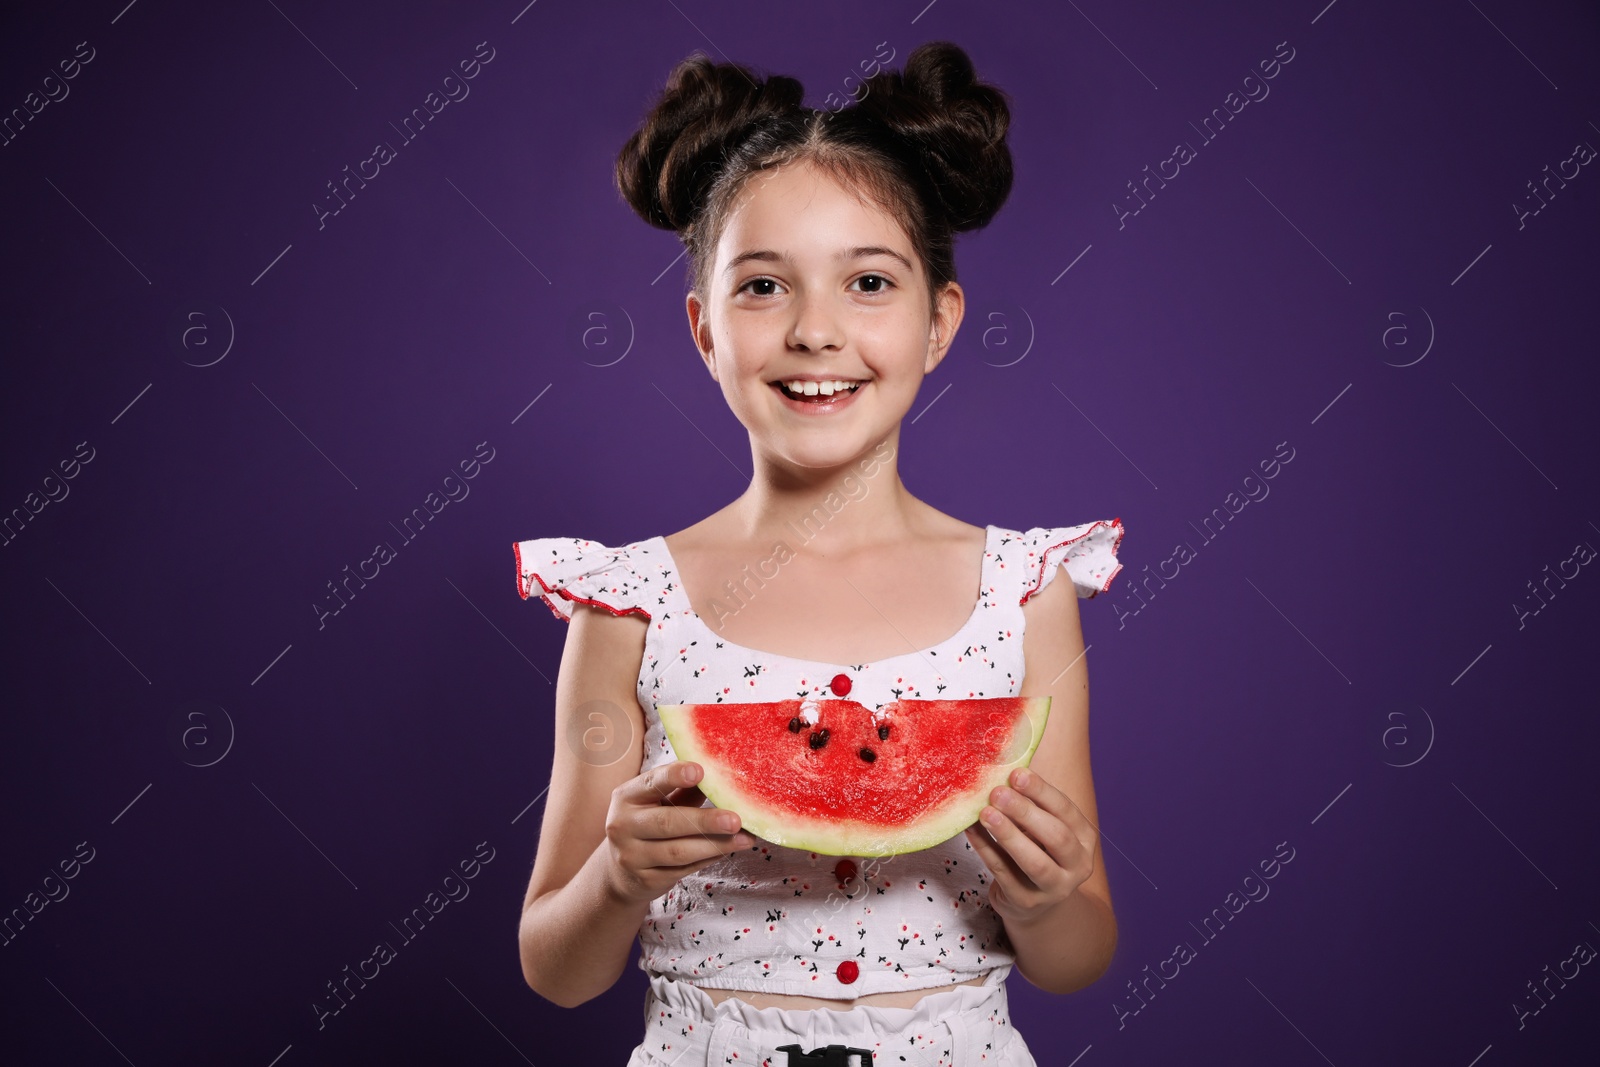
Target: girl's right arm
612, 839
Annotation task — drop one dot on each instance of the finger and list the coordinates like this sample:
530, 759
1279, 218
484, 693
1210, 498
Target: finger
692, 849
683, 870
1032, 785
710, 823
1000, 864
1058, 803
656, 784
1037, 866
687, 797
664, 821
1080, 828
672, 790
1057, 840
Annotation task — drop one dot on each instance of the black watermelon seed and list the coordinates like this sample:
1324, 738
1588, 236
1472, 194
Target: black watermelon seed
883, 733
819, 738
868, 755
794, 725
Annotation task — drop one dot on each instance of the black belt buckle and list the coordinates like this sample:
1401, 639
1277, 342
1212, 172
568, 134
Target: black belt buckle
831, 1056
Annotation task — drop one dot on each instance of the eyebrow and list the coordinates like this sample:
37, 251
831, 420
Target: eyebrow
766, 255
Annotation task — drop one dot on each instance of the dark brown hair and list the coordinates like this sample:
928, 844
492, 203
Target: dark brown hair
927, 144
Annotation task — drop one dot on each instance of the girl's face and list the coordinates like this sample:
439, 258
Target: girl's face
811, 282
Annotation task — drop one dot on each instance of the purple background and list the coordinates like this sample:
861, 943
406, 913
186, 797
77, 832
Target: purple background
1341, 668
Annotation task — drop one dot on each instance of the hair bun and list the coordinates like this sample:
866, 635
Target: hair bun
952, 128
668, 165
926, 143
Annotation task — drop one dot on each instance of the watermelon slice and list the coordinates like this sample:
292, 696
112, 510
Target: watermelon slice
835, 778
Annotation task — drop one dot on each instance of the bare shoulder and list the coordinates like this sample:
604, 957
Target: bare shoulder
950, 543
932, 524
712, 535
944, 527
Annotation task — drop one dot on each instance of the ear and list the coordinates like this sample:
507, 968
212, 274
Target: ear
948, 309
700, 330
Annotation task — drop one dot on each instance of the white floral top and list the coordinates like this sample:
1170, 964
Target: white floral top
781, 920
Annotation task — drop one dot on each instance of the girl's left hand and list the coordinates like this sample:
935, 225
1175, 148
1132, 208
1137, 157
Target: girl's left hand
1040, 848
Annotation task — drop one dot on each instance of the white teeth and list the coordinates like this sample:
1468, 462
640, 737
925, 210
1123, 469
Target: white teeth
801, 388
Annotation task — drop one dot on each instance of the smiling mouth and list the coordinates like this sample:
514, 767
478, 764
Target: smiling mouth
814, 398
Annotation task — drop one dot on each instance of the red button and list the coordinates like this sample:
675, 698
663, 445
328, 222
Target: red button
848, 971
846, 870
840, 684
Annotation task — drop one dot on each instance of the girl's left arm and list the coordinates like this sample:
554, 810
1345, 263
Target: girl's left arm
1049, 883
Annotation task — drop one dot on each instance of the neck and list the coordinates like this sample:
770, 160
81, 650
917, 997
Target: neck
858, 503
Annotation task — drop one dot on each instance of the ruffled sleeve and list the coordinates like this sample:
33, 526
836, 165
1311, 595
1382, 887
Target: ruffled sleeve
566, 570
1087, 551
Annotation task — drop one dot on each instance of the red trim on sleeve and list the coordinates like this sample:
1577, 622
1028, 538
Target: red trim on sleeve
522, 586
525, 590
1038, 580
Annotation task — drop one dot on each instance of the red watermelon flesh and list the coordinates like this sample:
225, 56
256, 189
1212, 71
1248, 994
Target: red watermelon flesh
840, 787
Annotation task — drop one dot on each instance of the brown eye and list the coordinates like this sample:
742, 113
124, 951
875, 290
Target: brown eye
883, 284
757, 281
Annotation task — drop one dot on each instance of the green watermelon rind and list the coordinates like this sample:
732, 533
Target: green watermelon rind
846, 837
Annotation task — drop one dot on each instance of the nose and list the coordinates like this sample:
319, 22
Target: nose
816, 325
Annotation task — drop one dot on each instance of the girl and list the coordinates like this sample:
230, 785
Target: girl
823, 291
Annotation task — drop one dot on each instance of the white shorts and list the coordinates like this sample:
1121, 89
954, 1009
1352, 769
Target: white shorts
962, 1026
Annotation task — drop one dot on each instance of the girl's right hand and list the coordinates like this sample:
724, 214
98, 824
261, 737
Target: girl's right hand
657, 832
